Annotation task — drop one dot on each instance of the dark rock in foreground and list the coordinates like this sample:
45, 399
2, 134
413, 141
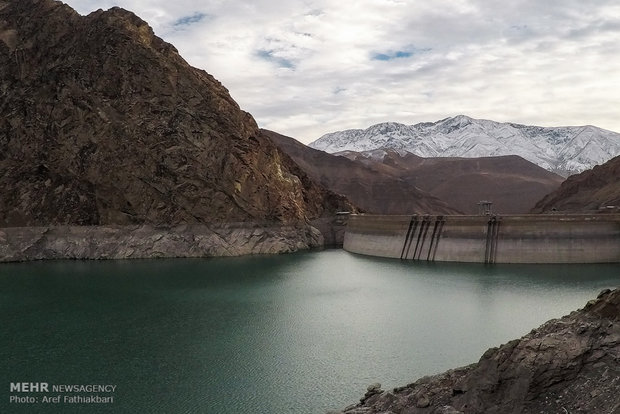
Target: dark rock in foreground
567, 365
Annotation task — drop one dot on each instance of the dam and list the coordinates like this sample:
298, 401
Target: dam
552, 238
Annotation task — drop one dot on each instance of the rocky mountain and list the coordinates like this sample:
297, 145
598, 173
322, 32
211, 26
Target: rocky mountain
513, 184
597, 189
567, 365
563, 150
373, 189
102, 122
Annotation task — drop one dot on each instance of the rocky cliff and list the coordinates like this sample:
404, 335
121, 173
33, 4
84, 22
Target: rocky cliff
102, 122
567, 365
597, 189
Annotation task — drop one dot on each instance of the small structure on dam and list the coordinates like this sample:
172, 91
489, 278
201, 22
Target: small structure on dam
487, 239
485, 208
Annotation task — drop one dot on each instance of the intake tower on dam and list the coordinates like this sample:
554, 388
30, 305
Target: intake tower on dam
554, 238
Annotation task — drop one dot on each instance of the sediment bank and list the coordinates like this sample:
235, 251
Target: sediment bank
146, 241
488, 239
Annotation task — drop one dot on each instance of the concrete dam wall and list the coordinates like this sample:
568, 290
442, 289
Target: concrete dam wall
487, 239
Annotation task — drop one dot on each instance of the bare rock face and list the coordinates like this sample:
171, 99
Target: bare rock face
102, 122
597, 189
569, 365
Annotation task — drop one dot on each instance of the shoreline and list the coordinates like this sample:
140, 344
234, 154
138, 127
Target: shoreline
20, 244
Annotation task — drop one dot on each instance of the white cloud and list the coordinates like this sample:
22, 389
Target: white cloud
307, 67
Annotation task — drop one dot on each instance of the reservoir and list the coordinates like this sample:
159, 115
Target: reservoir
297, 333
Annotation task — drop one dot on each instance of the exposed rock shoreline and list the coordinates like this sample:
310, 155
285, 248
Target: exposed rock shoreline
567, 365
147, 241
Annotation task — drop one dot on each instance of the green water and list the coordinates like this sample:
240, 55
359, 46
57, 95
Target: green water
300, 333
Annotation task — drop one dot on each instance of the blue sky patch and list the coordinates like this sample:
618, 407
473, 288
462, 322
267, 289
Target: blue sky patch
188, 20
269, 56
398, 54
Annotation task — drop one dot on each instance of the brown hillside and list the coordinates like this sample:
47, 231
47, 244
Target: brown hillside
592, 190
374, 190
512, 183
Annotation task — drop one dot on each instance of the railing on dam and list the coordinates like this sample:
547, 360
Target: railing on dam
487, 239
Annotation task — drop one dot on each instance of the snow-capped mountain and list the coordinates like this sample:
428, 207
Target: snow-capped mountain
563, 150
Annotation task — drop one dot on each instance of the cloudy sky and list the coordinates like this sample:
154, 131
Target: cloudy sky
307, 67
